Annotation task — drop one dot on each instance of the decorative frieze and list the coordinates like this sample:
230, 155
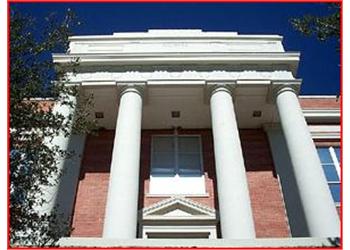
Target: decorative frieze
132, 76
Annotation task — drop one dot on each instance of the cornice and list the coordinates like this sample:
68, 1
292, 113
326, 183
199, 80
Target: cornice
321, 112
190, 75
254, 61
173, 57
175, 34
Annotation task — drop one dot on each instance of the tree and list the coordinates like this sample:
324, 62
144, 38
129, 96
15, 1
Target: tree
323, 27
33, 162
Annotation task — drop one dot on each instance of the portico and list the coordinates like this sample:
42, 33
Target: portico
219, 81
226, 139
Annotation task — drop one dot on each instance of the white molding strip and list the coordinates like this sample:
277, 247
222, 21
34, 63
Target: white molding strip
218, 243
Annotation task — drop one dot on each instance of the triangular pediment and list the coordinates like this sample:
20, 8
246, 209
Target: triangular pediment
178, 207
178, 212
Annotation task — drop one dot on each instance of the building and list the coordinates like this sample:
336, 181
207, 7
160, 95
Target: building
204, 141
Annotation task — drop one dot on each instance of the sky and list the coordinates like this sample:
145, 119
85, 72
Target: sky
319, 66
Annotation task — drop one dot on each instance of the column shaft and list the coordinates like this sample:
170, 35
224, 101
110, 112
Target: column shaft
319, 209
236, 217
63, 141
121, 209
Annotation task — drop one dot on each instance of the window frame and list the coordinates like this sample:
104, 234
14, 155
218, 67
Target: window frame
181, 229
190, 185
336, 163
176, 151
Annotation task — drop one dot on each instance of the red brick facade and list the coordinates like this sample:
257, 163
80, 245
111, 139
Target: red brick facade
320, 103
265, 194
267, 203
91, 195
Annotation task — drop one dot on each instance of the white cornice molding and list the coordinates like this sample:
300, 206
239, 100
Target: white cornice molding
318, 96
325, 131
321, 113
259, 77
175, 34
289, 60
193, 57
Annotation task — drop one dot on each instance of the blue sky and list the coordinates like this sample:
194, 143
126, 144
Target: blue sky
319, 66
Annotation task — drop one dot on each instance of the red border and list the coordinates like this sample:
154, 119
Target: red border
8, 125
174, 1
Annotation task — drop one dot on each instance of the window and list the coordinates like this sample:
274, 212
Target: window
176, 165
178, 235
330, 159
176, 155
179, 231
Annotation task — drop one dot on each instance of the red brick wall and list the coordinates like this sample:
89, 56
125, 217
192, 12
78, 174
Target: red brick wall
327, 143
266, 199
91, 196
319, 103
267, 204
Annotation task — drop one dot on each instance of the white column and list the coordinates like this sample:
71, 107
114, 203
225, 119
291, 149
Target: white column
236, 217
68, 167
121, 209
319, 209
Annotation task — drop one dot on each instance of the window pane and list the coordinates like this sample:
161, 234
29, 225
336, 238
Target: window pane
188, 144
163, 159
330, 172
337, 153
163, 172
335, 190
324, 155
189, 161
163, 144
189, 164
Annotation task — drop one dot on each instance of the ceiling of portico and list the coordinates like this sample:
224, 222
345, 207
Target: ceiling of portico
191, 100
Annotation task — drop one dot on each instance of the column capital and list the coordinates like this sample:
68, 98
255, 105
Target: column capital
138, 88
214, 87
279, 89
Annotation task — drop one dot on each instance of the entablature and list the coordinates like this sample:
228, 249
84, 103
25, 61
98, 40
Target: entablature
157, 77
175, 40
252, 60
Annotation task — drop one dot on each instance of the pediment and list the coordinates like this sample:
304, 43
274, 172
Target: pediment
178, 207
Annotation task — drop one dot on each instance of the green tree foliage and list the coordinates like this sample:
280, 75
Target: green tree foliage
33, 162
322, 27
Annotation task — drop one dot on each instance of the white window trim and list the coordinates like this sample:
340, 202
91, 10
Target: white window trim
160, 218
204, 195
337, 167
325, 131
183, 229
335, 161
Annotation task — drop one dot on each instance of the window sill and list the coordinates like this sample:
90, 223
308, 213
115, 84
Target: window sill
170, 195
